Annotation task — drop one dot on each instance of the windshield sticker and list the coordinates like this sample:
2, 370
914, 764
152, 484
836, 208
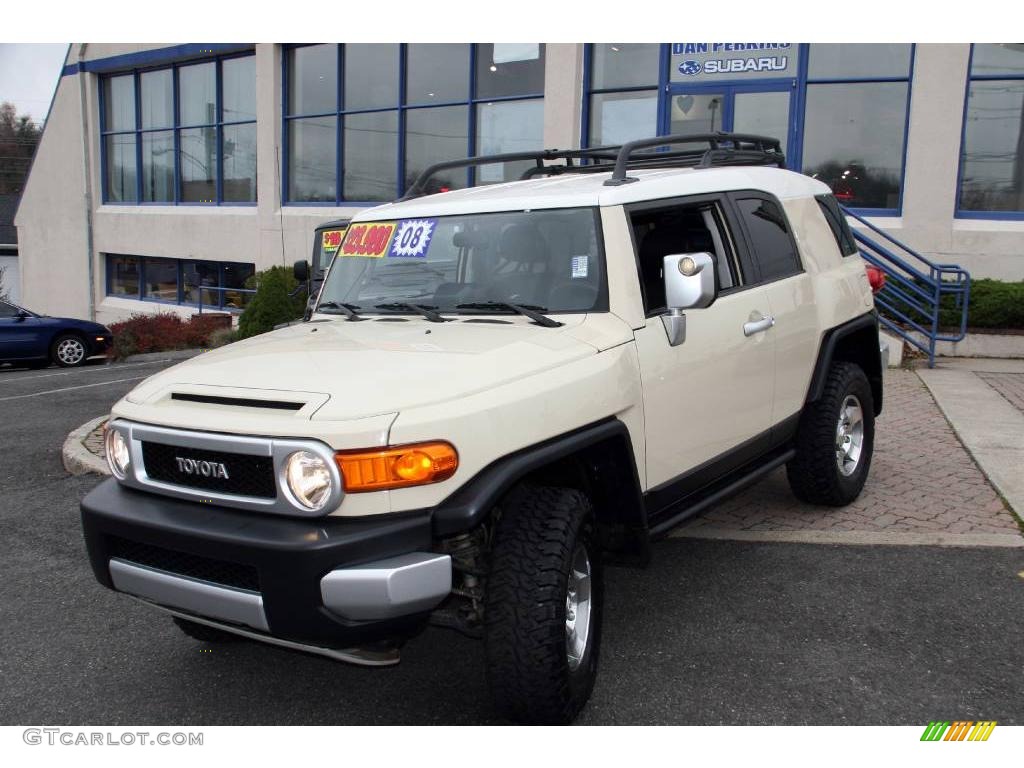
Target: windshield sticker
331, 240
413, 238
371, 239
580, 266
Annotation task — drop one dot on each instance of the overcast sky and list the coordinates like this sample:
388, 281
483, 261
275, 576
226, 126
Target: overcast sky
28, 75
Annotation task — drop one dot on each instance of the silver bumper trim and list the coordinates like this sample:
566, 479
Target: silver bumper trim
237, 606
409, 583
360, 656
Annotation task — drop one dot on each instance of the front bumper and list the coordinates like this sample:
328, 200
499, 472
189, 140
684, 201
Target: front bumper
329, 581
99, 344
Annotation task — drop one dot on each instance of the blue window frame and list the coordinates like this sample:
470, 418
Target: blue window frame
628, 93
361, 121
189, 282
183, 134
990, 182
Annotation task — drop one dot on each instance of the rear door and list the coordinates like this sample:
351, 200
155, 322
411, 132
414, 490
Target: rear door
770, 241
707, 401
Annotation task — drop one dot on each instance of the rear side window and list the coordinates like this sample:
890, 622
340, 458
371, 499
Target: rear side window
837, 223
770, 238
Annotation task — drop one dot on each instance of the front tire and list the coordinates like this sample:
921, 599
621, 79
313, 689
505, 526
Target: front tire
543, 606
68, 351
835, 440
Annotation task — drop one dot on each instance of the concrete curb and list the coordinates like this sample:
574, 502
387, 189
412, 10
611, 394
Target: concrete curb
172, 354
79, 460
862, 538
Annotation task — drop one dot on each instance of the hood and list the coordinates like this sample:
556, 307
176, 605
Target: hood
342, 370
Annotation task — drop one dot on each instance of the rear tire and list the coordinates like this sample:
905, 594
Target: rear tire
68, 351
835, 440
205, 634
542, 626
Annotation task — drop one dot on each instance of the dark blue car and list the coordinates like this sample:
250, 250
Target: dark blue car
37, 340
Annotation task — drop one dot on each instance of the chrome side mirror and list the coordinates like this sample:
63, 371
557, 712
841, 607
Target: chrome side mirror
689, 280
689, 284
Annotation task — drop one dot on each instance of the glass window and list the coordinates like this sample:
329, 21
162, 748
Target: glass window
838, 224
992, 158
696, 113
997, 59
119, 103
235, 276
198, 88
434, 135
508, 126
371, 146
436, 73
157, 88
769, 234
763, 114
509, 69
858, 61
238, 87
313, 79
198, 163
371, 76
124, 276
198, 278
546, 258
312, 159
8, 310
621, 65
619, 117
239, 158
161, 279
853, 141
120, 167
158, 167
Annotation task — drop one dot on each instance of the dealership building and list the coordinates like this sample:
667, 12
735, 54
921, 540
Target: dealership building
167, 175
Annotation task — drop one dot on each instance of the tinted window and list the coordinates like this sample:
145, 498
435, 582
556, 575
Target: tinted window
312, 79
680, 229
436, 72
837, 223
993, 147
852, 61
769, 238
621, 65
371, 76
6, 310
509, 69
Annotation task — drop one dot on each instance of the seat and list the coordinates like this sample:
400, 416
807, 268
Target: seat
522, 246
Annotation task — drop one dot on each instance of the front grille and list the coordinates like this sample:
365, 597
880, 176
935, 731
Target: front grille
183, 564
246, 475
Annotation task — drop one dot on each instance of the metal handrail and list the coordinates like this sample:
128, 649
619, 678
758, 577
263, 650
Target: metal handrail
915, 286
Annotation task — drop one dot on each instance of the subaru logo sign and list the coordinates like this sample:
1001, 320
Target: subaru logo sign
690, 67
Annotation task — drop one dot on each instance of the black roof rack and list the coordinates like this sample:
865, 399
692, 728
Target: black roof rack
723, 149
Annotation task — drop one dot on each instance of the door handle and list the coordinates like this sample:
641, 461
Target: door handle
756, 326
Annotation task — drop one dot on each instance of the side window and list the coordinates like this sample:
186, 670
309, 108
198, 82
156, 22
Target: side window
693, 228
6, 310
770, 238
837, 223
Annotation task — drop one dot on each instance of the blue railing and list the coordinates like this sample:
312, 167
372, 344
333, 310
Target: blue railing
916, 290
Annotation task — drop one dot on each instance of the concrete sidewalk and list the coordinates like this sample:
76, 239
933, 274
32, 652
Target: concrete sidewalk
984, 402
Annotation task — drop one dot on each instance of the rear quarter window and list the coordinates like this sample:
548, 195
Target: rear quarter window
770, 238
837, 223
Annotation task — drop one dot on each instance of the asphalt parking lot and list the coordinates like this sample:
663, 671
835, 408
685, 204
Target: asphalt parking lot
714, 632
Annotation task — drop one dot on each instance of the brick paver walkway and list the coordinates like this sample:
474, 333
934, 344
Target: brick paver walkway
1009, 385
922, 481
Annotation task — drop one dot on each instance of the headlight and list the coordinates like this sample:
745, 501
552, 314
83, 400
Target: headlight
117, 452
308, 478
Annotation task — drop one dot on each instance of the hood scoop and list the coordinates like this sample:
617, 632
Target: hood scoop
240, 402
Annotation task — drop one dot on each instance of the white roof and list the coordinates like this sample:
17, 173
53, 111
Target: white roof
588, 190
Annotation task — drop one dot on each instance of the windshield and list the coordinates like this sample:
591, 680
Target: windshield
549, 259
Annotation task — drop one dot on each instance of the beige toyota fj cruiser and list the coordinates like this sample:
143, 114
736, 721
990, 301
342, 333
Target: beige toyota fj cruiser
502, 389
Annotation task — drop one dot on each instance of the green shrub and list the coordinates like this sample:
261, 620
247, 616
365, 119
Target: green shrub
221, 337
993, 304
271, 304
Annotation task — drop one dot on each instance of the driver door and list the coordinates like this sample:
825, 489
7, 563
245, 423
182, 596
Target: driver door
17, 333
708, 400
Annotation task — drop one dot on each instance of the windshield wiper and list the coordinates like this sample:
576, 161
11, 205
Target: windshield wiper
420, 309
348, 310
528, 310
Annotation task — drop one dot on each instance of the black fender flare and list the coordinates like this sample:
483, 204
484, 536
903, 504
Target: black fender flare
865, 325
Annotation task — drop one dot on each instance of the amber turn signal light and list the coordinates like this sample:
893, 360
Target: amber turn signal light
398, 467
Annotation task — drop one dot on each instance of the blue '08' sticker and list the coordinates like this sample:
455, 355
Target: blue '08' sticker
412, 238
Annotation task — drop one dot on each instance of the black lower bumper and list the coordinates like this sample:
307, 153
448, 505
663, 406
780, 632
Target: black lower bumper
284, 558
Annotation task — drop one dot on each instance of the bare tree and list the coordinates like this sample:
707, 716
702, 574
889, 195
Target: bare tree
3, 289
